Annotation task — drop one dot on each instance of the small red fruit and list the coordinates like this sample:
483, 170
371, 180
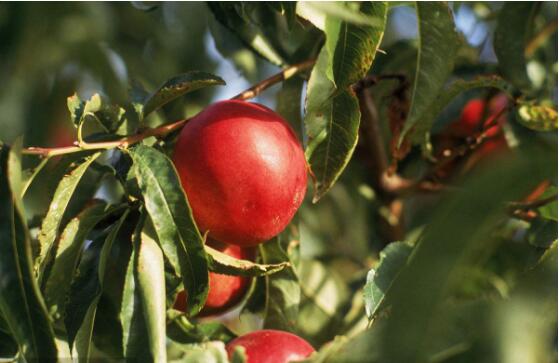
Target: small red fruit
243, 169
471, 119
271, 346
225, 291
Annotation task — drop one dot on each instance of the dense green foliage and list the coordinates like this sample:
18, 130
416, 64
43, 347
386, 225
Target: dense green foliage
406, 248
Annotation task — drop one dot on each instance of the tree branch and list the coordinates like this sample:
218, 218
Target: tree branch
167, 128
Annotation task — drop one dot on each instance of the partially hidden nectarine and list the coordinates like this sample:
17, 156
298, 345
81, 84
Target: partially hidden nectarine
225, 291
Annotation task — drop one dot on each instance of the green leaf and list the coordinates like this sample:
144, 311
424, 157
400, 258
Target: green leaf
514, 25
439, 260
224, 264
549, 211
332, 114
135, 342
438, 46
329, 153
283, 292
316, 12
60, 201
324, 295
86, 290
110, 117
180, 330
68, 252
357, 44
213, 352
392, 259
76, 108
151, 286
252, 36
178, 86
537, 117
171, 215
289, 103
445, 97
21, 303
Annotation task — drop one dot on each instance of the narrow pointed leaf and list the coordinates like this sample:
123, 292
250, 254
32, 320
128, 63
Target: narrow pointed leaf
51, 224
178, 86
392, 259
168, 208
357, 45
438, 46
151, 286
68, 253
134, 329
21, 303
337, 142
86, 290
224, 264
332, 110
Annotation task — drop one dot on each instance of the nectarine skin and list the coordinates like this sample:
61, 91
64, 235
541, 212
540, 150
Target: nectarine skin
271, 346
243, 170
225, 291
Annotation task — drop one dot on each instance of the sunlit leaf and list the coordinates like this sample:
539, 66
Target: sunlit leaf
537, 117
224, 264
204, 352
168, 208
178, 86
151, 286
438, 45
253, 37
135, 342
324, 295
332, 114
357, 44
21, 303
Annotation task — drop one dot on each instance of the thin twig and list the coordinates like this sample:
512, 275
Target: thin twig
279, 77
533, 204
168, 128
540, 38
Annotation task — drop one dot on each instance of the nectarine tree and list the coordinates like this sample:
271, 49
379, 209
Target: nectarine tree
310, 181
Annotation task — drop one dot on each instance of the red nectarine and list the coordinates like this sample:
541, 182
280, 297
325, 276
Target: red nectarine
243, 170
271, 346
225, 291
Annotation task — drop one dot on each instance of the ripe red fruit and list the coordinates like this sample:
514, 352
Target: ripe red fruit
225, 291
271, 346
471, 120
243, 169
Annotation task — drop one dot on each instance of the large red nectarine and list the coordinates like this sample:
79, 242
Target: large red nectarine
225, 291
271, 346
243, 170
